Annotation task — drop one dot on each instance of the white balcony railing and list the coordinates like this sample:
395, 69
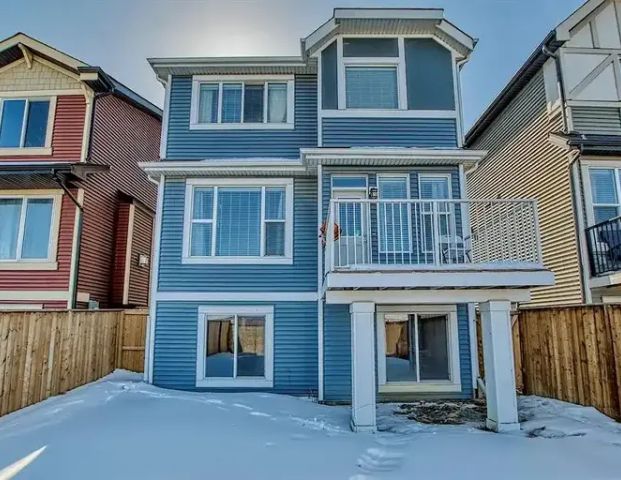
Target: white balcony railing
380, 234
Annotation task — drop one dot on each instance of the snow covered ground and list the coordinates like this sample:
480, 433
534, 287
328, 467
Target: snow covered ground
122, 428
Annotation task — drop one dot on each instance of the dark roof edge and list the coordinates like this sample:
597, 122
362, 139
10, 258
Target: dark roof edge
517, 82
109, 84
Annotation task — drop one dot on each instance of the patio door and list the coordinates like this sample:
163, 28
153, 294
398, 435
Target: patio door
351, 248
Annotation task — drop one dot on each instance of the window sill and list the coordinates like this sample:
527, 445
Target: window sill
235, 383
242, 126
237, 261
23, 265
46, 151
432, 387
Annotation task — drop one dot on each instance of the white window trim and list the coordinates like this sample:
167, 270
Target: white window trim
48, 263
197, 80
587, 166
449, 178
452, 385
409, 218
240, 382
263, 183
352, 175
46, 150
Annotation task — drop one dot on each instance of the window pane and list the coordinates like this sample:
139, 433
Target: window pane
201, 240
400, 360
605, 213
36, 127
203, 204
10, 211
208, 103
11, 122
250, 346
274, 203
434, 188
37, 228
433, 347
371, 87
349, 182
394, 219
277, 103
275, 239
370, 47
603, 185
239, 222
253, 104
220, 347
231, 102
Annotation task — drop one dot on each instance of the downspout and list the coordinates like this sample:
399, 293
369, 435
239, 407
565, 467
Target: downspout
73, 288
575, 175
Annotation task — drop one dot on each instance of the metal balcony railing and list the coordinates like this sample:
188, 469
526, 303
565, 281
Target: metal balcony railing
604, 244
372, 234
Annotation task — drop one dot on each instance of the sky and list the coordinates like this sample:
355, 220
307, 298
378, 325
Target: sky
119, 35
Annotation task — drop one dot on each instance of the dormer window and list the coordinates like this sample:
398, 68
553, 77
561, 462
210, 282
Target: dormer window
242, 102
371, 87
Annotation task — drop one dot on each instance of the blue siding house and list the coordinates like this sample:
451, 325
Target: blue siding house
313, 233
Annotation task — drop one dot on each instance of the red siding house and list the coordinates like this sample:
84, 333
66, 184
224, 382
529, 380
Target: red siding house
76, 211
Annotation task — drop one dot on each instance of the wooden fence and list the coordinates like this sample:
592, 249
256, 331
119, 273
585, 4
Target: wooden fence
571, 354
45, 353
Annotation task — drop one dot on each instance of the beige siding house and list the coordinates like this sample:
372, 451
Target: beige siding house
554, 134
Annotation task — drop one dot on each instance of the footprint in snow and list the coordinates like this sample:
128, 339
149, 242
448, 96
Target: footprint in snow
380, 460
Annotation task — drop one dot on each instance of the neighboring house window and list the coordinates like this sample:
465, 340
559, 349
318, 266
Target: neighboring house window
235, 347
239, 222
27, 228
418, 348
435, 187
605, 193
394, 216
240, 102
24, 123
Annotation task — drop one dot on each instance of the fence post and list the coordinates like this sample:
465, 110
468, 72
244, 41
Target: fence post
120, 328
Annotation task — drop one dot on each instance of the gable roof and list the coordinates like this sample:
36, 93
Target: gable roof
389, 21
19, 45
551, 43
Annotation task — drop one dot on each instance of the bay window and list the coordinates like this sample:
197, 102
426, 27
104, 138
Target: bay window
27, 229
235, 347
24, 122
239, 221
242, 102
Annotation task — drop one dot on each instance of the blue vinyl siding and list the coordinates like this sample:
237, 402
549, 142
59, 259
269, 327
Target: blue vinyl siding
186, 144
295, 345
389, 132
301, 276
432, 87
337, 354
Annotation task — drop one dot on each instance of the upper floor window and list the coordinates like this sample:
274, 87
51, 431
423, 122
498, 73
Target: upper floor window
239, 221
605, 193
371, 87
26, 230
242, 102
24, 122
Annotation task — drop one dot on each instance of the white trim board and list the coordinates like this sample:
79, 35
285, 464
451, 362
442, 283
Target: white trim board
426, 296
236, 297
36, 295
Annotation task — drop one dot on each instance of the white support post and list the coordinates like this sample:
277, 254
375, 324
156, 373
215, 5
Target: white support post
362, 366
500, 392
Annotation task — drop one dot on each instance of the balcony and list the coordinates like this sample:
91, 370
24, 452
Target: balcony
604, 244
409, 244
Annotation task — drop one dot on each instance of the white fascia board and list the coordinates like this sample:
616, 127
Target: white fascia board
563, 31
440, 279
389, 13
426, 296
318, 35
218, 165
454, 32
458, 155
